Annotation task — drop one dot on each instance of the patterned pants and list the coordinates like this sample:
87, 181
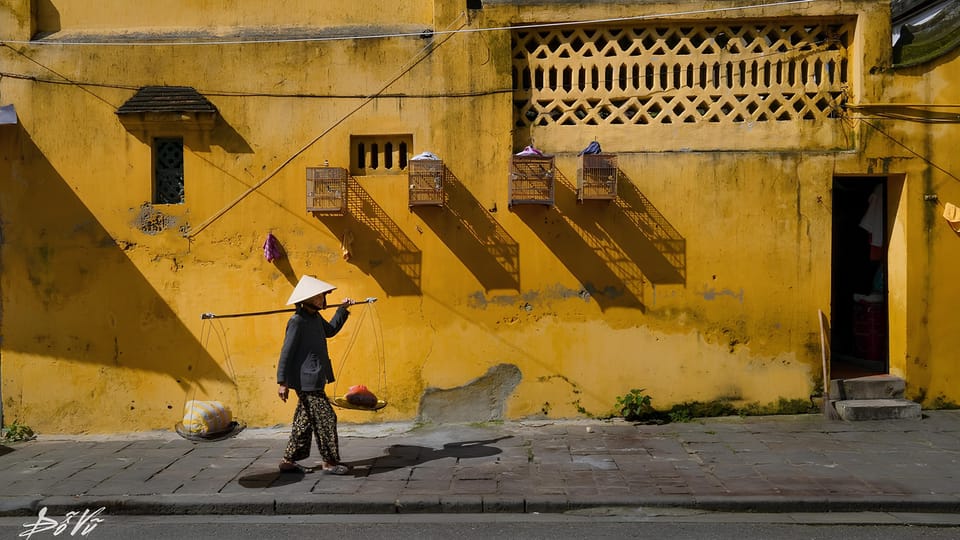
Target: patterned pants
314, 416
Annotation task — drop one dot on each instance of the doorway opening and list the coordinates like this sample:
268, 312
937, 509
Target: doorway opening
859, 346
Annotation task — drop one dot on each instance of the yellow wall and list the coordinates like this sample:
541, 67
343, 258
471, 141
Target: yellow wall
101, 314
927, 249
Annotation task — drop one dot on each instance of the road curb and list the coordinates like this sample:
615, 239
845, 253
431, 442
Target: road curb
259, 504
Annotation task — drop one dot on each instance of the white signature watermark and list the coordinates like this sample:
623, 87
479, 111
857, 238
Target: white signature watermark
74, 522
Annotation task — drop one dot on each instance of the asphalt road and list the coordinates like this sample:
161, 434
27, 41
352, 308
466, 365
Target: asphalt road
625, 523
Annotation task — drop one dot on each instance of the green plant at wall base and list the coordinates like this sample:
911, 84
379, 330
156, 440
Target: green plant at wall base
635, 405
782, 406
17, 432
581, 409
687, 411
941, 402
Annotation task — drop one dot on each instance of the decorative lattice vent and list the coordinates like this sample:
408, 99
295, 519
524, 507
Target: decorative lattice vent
597, 176
426, 177
532, 180
681, 73
326, 189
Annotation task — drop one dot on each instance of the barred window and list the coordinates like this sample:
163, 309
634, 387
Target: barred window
168, 171
379, 154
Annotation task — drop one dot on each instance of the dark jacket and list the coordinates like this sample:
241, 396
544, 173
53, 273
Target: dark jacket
304, 361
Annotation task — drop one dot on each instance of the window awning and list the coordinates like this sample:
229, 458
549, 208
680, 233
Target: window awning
8, 115
167, 99
167, 108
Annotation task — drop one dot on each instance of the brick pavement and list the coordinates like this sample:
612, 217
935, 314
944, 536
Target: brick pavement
758, 464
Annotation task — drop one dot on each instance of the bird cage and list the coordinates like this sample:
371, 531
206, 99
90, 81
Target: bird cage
597, 177
532, 180
326, 189
426, 178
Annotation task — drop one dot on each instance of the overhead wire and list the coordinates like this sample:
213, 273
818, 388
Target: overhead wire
411, 63
422, 33
381, 94
851, 121
804, 48
66, 79
416, 59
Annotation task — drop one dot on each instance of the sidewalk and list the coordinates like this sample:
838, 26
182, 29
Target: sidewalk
755, 464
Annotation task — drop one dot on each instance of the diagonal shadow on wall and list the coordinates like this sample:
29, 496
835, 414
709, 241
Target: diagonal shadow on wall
82, 300
376, 245
471, 233
659, 249
573, 234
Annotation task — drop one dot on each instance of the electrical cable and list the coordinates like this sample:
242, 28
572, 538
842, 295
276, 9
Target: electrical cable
421, 34
417, 58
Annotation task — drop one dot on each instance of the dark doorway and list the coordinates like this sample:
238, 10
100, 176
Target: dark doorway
858, 304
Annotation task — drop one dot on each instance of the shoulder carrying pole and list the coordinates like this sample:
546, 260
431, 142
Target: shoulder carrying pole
369, 300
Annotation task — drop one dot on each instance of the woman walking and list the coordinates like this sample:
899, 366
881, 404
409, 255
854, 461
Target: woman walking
305, 367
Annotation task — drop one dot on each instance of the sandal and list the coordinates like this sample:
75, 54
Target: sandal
291, 467
339, 469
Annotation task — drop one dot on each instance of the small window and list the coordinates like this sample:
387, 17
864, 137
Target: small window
168, 171
379, 154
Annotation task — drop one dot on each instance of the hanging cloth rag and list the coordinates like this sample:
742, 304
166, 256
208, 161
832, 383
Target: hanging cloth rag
592, 148
271, 248
872, 222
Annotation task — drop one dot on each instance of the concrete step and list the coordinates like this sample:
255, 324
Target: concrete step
872, 387
877, 409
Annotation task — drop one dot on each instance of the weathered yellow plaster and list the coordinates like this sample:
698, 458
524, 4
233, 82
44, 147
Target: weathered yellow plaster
102, 291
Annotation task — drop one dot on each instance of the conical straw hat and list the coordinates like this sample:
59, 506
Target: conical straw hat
308, 288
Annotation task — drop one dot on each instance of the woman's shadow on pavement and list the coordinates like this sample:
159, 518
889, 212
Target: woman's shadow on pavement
397, 456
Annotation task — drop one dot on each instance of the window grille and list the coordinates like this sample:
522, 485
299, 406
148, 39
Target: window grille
532, 180
379, 154
719, 72
168, 171
326, 189
427, 178
597, 177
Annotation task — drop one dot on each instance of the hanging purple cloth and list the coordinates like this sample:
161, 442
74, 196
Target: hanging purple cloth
271, 248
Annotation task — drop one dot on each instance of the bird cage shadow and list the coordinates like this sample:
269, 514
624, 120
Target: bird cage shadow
469, 230
571, 231
660, 247
374, 243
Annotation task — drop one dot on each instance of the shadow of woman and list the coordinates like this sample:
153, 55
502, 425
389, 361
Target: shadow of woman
271, 479
402, 455
397, 456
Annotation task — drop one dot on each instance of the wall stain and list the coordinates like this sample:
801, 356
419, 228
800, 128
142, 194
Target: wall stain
151, 221
527, 300
710, 293
481, 400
